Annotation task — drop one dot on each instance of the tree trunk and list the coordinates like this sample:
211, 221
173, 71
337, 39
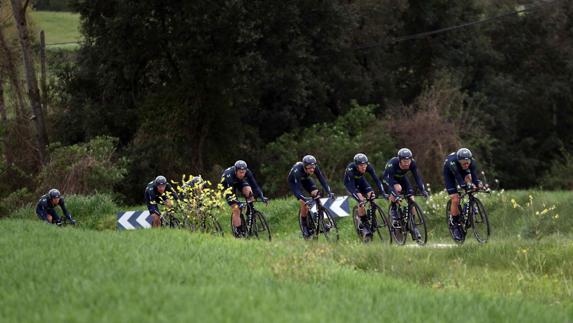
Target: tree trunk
4, 123
12, 73
19, 11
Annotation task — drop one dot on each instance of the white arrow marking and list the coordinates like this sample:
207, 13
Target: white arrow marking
141, 219
123, 220
335, 207
322, 201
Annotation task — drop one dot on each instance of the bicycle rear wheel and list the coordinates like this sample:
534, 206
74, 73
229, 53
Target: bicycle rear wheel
479, 221
399, 234
448, 207
260, 226
418, 227
327, 225
382, 226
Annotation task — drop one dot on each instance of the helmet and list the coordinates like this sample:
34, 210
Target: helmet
54, 193
308, 160
360, 159
240, 164
464, 153
160, 180
404, 153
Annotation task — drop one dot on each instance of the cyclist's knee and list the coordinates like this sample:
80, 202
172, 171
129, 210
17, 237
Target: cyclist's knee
314, 193
398, 188
468, 178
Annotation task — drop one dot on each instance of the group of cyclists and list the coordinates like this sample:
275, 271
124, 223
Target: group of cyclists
459, 170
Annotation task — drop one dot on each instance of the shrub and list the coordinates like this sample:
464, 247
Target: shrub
83, 168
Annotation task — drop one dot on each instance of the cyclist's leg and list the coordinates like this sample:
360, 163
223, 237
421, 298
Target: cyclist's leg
54, 217
155, 220
311, 188
452, 190
394, 205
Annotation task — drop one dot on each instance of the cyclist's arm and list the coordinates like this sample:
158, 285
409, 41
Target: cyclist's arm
372, 173
389, 179
322, 180
294, 184
417, 177
256, 188
473, 172
170, 189
65, 210
349, 185
150, 201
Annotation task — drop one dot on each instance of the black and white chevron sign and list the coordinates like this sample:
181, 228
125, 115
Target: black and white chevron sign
338, 206
131, 220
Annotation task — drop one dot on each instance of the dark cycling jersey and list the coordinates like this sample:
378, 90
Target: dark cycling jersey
453, 172
153, 198
45, 207
297, 177
352, 178
229, 179
393, 174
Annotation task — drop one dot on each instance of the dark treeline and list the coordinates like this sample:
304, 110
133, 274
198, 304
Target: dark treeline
188, 87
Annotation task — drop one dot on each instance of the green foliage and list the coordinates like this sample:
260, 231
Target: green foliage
560, 175
15, 200
333, 144
83, 168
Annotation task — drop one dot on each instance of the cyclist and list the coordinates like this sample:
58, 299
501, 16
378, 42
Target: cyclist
459, 169
157, 192
357, 185
240, 178
395, 178
46, 208
299, 176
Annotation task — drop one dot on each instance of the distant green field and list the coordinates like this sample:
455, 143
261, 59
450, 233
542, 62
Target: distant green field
523, 274
59, 27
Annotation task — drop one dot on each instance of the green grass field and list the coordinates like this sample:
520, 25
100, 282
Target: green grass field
59, 27
81, 274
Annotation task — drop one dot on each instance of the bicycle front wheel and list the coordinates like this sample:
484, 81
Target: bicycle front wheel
399, 234
211, 225
260, 226
418, 227
327, 225
479, 221
382, 226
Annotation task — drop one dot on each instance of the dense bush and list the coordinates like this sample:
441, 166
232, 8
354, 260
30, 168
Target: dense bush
83, 168
333, 144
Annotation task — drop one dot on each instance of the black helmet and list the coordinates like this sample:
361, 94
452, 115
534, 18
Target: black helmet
160, 180
308, 160
54, 193
404, 153
360, 159
464, 153
240, 164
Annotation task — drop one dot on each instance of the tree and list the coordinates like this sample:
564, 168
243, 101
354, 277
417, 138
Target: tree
19, 11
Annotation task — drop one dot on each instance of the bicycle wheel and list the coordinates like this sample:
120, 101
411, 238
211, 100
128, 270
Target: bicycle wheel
418, 227
242, 228
479, 221
399, 234
382, 226
260, 226
356, 222
448, 208
210, 224
327, 225
309, 224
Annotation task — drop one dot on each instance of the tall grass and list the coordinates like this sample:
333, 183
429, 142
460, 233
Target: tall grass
69, 274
